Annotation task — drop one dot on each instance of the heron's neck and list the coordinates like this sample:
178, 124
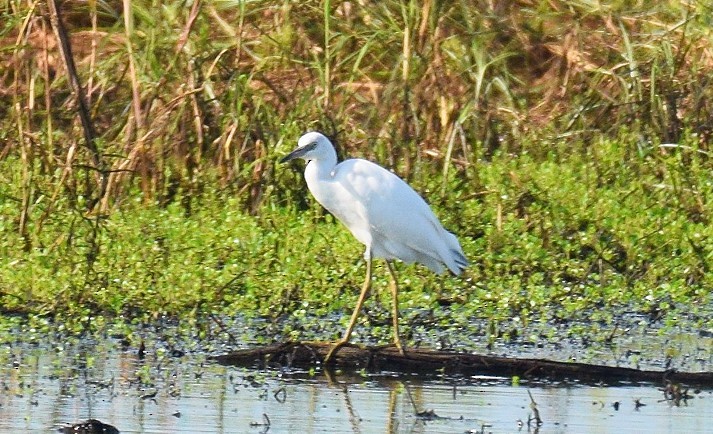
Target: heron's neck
321, 169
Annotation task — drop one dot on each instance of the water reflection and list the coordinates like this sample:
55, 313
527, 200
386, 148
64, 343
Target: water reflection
45, 386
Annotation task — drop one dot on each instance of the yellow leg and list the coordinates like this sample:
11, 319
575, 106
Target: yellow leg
348, 333
395, 307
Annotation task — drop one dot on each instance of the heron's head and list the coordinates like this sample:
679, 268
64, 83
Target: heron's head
311, 146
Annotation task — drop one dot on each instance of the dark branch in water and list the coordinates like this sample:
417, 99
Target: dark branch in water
310, 354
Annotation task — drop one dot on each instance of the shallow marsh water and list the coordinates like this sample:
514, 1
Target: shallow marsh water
47, 385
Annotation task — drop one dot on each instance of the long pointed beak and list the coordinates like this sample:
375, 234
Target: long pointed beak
297, 153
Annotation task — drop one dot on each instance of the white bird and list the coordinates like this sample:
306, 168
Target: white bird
383, 212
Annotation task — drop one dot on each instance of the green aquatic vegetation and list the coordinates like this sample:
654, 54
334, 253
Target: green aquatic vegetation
550, 242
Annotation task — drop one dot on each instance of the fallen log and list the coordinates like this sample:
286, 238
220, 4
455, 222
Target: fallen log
421, 360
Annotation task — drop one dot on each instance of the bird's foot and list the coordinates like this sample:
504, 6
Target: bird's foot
400, 347
333, 351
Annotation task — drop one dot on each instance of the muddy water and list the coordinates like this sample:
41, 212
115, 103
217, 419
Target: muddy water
44, 386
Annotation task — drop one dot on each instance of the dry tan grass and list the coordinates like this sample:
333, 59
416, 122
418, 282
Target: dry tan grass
216, 85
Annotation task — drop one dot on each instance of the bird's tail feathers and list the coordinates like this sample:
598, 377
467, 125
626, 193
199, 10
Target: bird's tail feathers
457, 260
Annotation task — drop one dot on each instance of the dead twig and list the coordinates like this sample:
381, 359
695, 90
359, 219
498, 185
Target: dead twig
535, 419
81, 98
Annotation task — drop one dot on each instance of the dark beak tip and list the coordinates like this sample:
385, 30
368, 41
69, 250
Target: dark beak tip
291, 156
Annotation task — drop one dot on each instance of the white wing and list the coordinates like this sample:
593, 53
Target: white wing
400, 223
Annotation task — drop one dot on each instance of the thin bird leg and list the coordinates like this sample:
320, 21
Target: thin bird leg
348, 333
395, 307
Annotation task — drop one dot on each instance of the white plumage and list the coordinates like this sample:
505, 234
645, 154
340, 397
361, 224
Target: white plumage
381, 211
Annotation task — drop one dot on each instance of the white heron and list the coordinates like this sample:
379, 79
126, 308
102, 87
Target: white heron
383, 212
